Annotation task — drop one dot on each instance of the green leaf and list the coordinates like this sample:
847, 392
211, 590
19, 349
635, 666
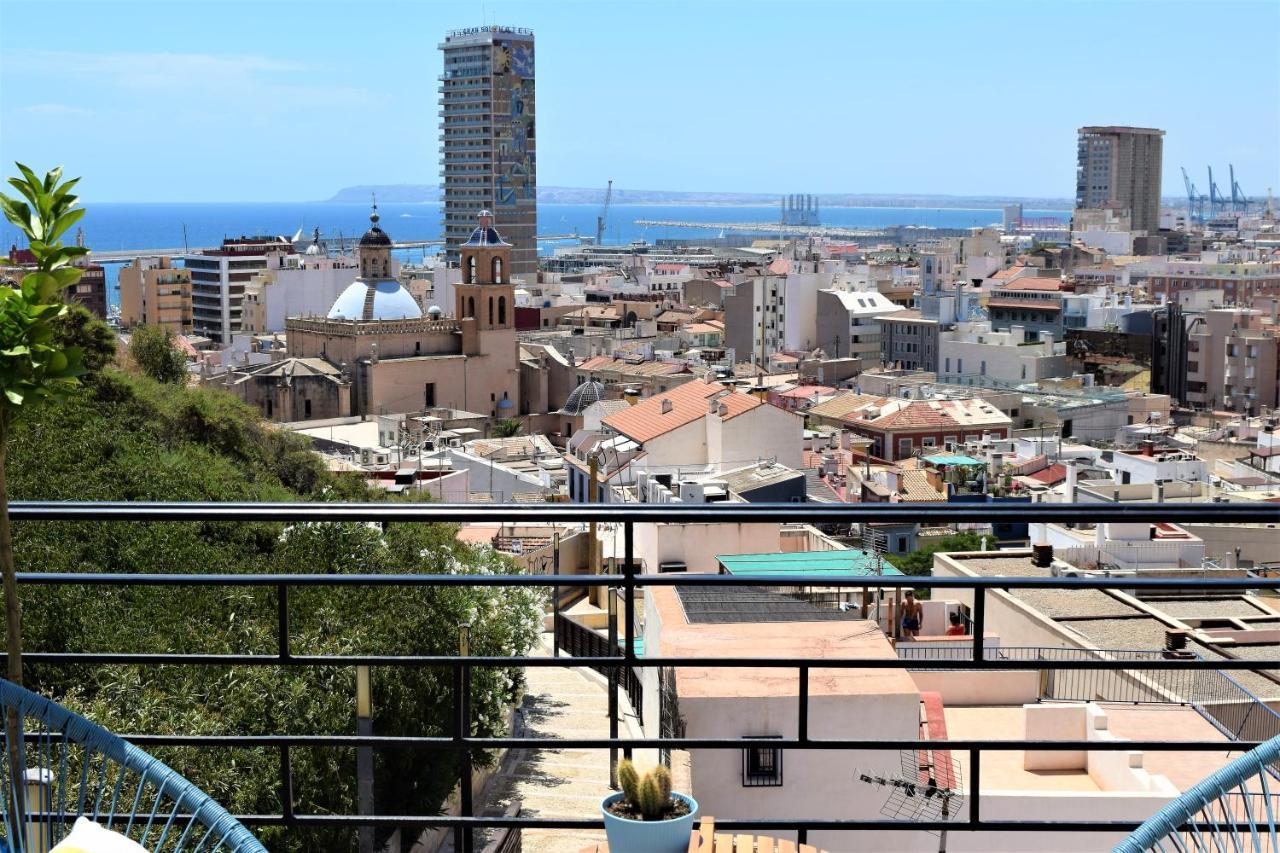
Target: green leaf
14, 396
16, 351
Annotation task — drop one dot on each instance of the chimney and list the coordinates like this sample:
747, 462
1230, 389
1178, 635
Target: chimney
1042, 555
1072, 481
844, 439
1148, 447
666, 405
1157, 491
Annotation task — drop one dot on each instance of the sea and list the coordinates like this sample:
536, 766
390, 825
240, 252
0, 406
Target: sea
172, 225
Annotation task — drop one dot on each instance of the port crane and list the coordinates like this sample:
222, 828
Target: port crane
1195, 202
1238, 199
603, 218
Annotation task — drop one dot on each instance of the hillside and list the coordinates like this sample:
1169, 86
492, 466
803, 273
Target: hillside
125, 437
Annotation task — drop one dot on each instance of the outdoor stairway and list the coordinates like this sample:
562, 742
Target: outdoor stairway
558, 783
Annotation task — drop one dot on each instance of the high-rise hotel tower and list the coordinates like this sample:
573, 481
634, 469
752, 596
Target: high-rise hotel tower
487, 150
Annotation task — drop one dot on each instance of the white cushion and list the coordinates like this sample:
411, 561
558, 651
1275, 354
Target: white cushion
88, 837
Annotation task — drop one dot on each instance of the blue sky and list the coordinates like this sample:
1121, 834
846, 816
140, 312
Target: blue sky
281, 101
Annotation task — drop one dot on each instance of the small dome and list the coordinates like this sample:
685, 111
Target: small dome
382, 299
485, 234
435, 311
375, 236
584, 395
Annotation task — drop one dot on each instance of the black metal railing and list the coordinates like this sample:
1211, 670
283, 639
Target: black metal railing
627, 581
577, 640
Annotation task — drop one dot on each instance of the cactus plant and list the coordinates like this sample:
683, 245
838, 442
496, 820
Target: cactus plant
649, 795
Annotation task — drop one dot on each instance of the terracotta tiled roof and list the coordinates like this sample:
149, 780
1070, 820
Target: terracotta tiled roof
915, 486
732, 405
646, 420
807, 391
839, 407
1050, 476
780, 267
1002, 275
633, 368
1034, 283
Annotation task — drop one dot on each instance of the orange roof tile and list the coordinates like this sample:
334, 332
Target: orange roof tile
1034, 283
1023, 303
646, 420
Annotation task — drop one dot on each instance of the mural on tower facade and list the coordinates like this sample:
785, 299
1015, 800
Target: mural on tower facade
514, 127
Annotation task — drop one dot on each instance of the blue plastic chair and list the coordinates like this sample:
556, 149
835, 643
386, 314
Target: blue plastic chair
1231, 811
68, 767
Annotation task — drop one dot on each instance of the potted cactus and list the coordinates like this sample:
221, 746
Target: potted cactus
646, 817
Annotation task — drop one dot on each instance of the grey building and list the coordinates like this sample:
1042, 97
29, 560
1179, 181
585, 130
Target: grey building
909, 341
1121, 166
487, 151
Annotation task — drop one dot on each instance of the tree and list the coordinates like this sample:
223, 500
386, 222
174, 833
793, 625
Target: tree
34, 366
507, 427
153, 350
124, 436
920, 561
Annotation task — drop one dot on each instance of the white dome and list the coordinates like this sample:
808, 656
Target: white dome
381, 299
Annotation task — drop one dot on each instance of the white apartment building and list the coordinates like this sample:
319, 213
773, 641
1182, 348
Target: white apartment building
973, 354
219, 278
302, 285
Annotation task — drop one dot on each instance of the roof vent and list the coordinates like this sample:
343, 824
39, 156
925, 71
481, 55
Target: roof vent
666, 405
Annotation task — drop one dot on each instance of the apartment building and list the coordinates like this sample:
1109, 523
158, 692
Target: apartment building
976, 354
1034, 303
1232, 360
1120, 166
487, 142
1240, 283
849, 323
909, 341
219, 277
153, 292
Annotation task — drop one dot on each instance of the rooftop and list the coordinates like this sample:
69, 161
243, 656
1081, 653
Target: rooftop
847, 563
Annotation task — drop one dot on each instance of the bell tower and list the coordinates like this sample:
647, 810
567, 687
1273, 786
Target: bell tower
486, 293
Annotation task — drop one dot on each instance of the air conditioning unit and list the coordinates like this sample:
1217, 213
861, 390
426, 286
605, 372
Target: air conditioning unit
365, 456
455, 442
381, 458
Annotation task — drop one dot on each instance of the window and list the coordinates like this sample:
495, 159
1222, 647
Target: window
502, 309
490, 310
904, 447
928, 442
306, 409
902, 544
762, 765
429, 395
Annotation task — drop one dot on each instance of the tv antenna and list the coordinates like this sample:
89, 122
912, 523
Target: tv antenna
874, 544
930, 788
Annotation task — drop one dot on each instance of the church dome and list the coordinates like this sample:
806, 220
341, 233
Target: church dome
485, 234
583, 396
381, 299
375, 237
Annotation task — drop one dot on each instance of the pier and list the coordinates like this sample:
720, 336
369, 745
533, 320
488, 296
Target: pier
120, 256
775, 228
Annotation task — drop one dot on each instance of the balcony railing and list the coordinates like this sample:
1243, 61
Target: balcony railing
621, 660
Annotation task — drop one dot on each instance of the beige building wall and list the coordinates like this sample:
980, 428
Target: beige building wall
153, 292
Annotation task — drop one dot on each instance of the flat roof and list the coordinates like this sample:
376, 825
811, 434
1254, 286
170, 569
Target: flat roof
849, 562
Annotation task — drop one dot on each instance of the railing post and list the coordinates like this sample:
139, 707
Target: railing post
629, 612
364, 755
804, 704
975, 787
555, 596
613, 687
462, 836
979, 621
282, 621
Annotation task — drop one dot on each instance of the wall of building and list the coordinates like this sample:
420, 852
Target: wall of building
698, 545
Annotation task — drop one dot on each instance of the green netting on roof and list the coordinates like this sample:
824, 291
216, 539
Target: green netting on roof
847, 563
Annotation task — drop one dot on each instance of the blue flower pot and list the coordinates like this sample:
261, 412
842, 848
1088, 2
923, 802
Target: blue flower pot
648, 836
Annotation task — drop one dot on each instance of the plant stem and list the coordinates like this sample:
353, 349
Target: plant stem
12, 604
13, 629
